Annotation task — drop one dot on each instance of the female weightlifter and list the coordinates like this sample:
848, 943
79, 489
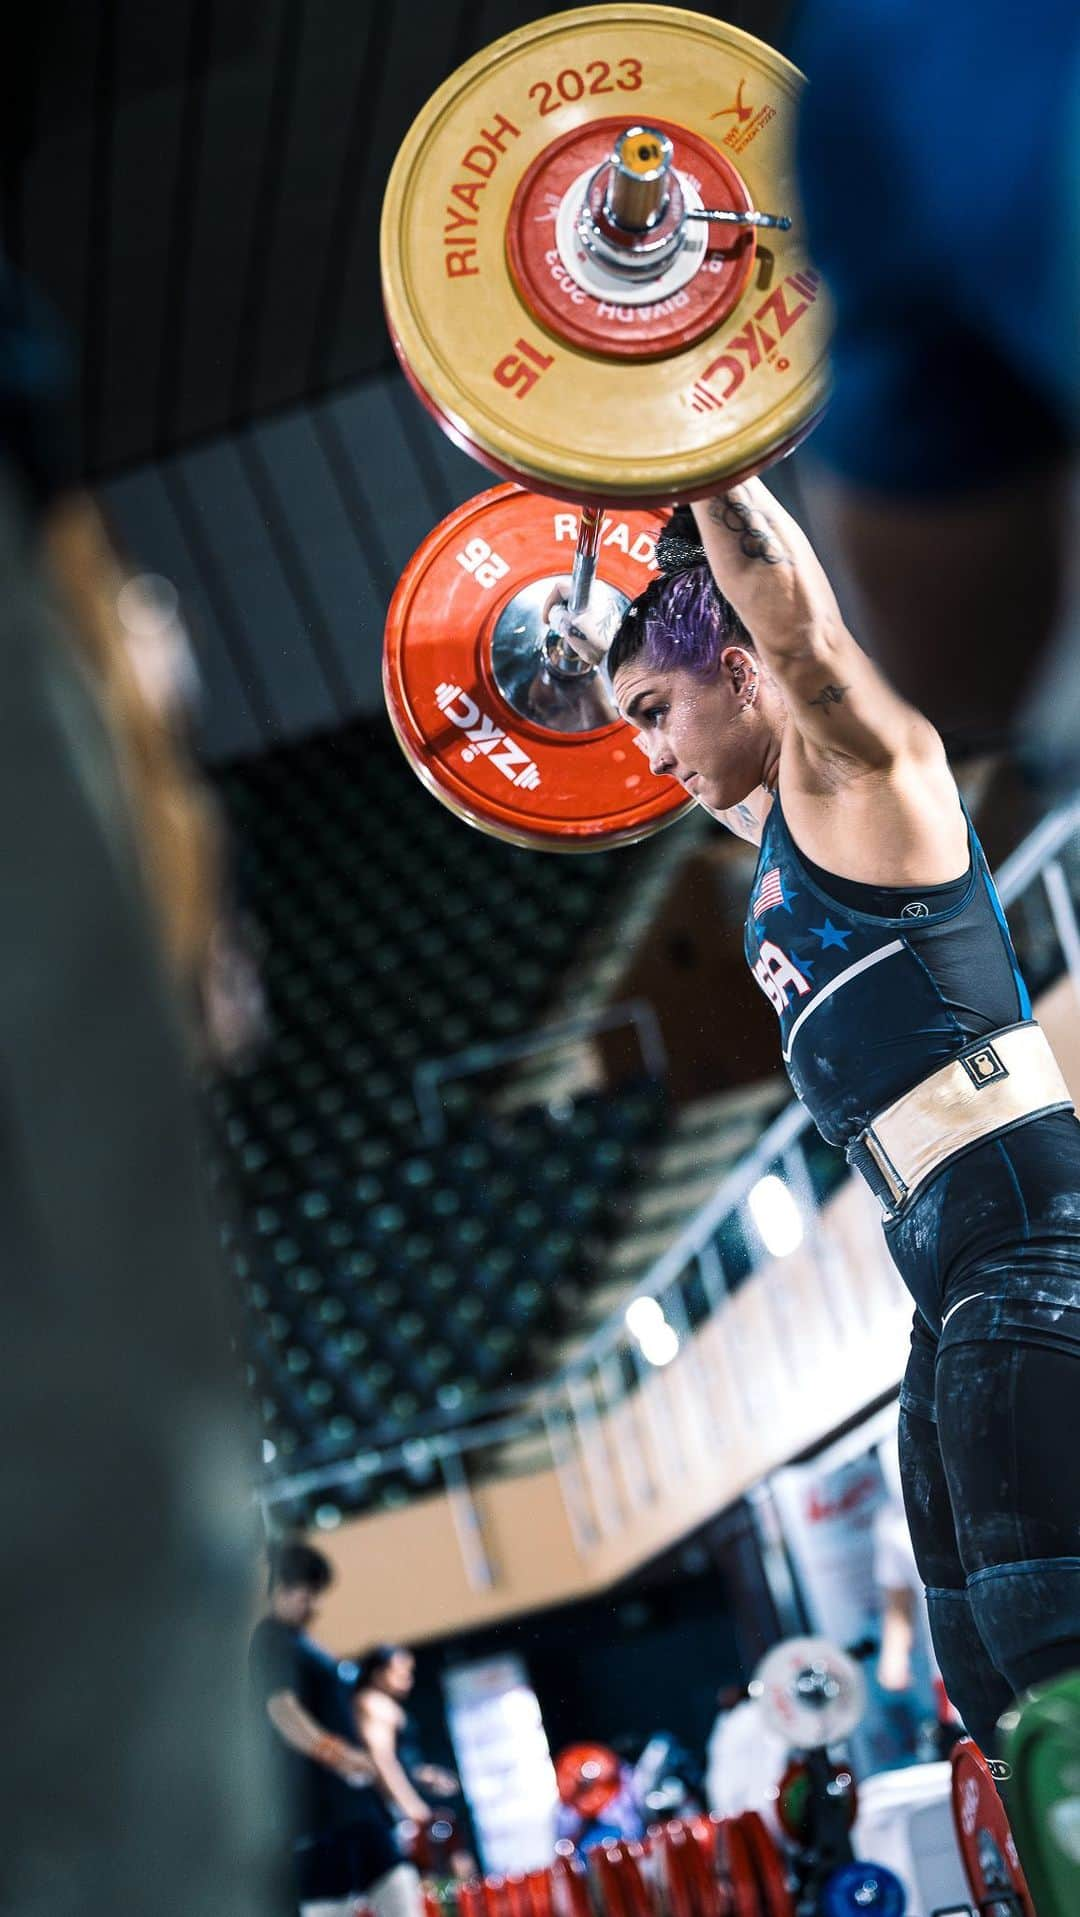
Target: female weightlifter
875, 932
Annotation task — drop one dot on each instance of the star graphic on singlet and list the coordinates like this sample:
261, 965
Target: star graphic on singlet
830, 934
804, 964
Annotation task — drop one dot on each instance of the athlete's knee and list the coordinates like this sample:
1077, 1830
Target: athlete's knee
975, 1685
1028, 1616
397, 1894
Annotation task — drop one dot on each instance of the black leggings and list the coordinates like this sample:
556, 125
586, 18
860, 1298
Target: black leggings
989, 1416
992, 1492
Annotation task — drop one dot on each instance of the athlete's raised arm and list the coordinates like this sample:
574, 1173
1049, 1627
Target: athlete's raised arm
766, 568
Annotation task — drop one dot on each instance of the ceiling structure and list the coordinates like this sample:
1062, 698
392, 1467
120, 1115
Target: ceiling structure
196, 185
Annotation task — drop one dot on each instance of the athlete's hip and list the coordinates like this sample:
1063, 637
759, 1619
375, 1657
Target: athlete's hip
992, 1244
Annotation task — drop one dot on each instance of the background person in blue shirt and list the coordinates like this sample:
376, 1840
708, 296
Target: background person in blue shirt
338, 1826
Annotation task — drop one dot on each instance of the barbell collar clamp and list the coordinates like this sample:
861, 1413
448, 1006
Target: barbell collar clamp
722, 216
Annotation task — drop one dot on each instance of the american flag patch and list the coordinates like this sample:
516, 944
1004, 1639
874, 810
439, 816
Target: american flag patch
769, 893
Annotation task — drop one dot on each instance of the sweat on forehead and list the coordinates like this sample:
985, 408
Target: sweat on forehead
681, 622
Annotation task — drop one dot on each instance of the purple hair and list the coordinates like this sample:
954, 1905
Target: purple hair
680, 623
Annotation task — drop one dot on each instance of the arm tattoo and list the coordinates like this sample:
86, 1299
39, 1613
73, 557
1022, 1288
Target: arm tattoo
756, 540
829, 696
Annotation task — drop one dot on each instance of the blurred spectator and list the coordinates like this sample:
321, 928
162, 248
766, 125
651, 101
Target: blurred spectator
338, 1826
386, 1679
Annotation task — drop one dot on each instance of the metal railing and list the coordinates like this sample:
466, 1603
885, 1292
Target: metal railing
432, 1073
561, 1414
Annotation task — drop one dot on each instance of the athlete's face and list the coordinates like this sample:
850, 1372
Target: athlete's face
709, 734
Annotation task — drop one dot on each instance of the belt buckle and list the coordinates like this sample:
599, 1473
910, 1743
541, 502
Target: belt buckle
983, 1065
898, 1187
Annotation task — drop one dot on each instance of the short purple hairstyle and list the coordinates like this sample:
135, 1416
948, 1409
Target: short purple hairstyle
680, 622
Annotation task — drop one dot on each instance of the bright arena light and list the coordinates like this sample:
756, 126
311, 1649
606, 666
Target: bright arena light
644, 1315
269, 1450
657, 1341
661, 1346
776, 1216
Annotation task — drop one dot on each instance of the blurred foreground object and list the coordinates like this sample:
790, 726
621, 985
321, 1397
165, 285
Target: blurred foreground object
938, 159
123, 1498
177, 824
128, 631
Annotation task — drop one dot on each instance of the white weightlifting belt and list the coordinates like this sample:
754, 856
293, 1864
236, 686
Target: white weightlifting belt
993, 1084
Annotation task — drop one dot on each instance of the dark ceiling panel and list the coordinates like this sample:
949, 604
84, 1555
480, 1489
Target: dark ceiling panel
352, 605
54, 218
245, 554
273, 182
285, 541
385, 472
331, 107
418, 55
493, 18
152, 60
341, 236
143, 158
144, 519
224, 188
102, 137
300, 565
455, 473
497, 17
224, 595
418, 431
182, 216
199, 187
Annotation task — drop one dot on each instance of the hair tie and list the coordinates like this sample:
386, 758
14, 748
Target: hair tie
679, 546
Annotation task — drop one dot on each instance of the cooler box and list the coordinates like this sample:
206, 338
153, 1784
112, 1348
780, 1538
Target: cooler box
905, 1821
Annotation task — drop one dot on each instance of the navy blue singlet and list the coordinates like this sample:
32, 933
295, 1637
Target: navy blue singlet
875, 986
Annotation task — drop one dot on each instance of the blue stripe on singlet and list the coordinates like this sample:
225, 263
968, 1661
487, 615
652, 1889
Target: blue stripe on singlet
1022, 993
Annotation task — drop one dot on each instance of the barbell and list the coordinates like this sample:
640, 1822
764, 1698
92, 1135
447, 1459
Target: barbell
595, 278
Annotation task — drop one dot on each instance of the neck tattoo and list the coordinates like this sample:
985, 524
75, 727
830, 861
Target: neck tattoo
745, 816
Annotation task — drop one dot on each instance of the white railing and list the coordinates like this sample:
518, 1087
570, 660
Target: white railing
556, 1419
431, 1075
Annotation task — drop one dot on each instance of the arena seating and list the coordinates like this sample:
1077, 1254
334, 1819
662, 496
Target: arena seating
385, 1276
